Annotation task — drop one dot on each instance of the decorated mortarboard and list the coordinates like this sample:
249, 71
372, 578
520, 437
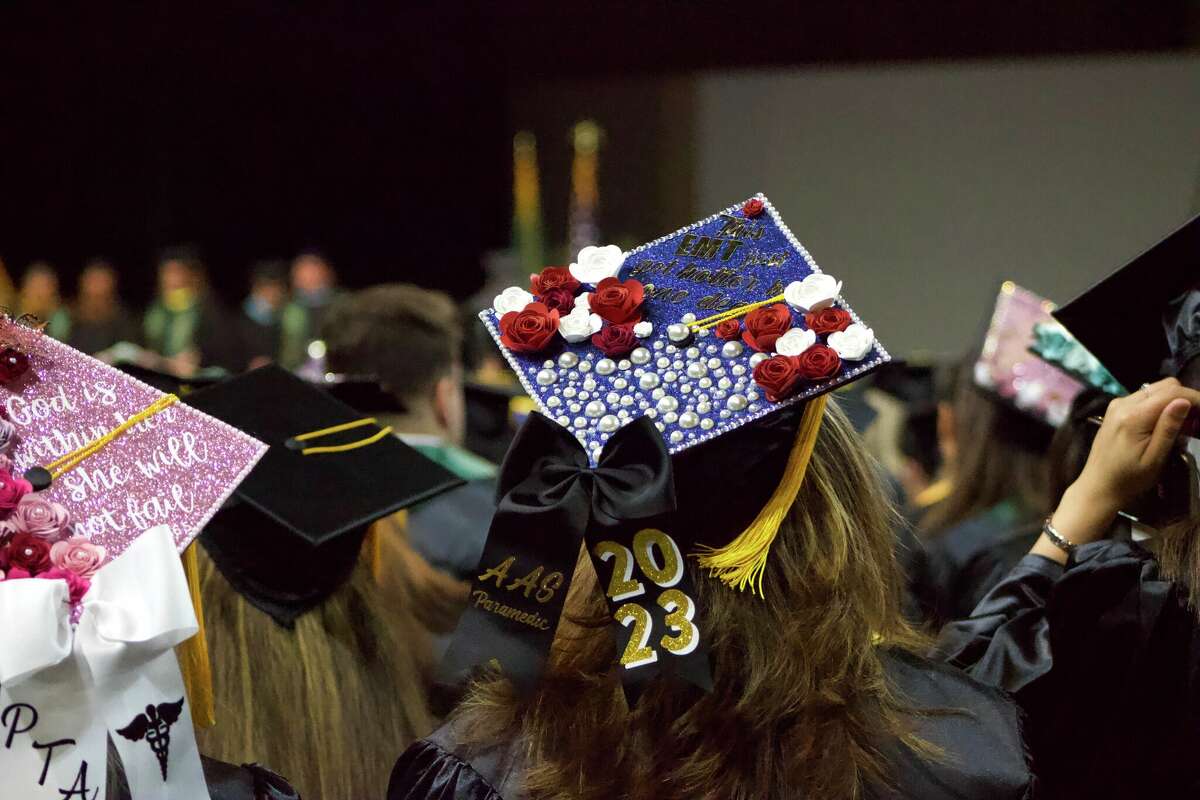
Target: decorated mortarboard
294, 534
1055, 345
1140, 321
643, 366
1007, 369
119, 479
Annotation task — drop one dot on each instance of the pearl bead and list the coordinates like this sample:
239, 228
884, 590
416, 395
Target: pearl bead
689, 419
704, 408
563, 420
648, 380
553, 402
585, 366
620, 383
623, 414
714, 363
589, 385
580, 422
652, 413
668, 403
676, 436
696, 370
612, 398
575, 408
663, 363
547, 364
738, 369
724, 383
643, 404
595, 409
627, 400
725, 413
736, 402
677, 365
706, 423
688, 317
677, 332
693, 352
624, 363
608, 423
705, 383
546, 377
732, 349
659, 393
660, 427
640, 356
686, 388
606, 366
569, 391
670, 417
670, 376
568, 360
751, 395
757, 359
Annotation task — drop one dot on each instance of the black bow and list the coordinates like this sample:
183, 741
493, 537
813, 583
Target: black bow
550, 498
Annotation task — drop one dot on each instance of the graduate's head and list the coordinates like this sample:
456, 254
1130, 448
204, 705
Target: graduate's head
410, 340
180, 273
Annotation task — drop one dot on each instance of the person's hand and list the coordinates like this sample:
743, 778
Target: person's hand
1127, 455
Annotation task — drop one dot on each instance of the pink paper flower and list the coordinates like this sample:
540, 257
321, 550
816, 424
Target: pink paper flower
12, 489
17, 572
77, 555
6, 463
42, 518
77, 586
8, 435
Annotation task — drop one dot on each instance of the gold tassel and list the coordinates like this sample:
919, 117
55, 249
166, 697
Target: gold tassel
193, 654
742, 562
372, 548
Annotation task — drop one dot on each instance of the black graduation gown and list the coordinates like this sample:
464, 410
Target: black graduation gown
1102, 656
985, 755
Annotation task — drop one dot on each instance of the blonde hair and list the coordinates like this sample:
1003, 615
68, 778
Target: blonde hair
330, 703
801, 699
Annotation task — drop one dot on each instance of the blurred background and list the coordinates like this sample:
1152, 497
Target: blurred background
923, 151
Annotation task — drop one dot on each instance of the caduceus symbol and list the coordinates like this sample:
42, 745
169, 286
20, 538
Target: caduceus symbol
155, 727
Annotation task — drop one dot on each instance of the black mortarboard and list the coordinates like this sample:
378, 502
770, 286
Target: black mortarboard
294, 534
173, 384
1120, 319
362, 393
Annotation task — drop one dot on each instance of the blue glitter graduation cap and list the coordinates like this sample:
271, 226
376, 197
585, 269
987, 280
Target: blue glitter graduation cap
718, 299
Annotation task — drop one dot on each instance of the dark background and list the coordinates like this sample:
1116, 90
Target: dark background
382, 134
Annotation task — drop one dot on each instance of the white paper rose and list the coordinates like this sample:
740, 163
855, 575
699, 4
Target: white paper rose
579, 325
854, 343
514, 298
583, 301
795, 342
594, 264
814, 293
643, 329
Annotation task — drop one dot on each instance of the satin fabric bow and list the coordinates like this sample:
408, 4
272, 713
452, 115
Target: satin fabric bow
79, 684
551, 496
547, 470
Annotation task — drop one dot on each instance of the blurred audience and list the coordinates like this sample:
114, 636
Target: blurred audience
262, 311
99, 319
39, 297
314, 290
185, 324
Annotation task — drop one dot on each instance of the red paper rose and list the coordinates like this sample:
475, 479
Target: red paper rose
560, 300
615, 341
12, 489
617, 301
13, 364
29, 553
753, 208
828, 320
765, 325
778, 376
818, 362
526, 331
728, 329
552, 278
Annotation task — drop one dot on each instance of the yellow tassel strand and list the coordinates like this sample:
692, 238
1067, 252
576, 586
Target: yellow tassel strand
76, 457
741, 563
732, 313
342, 448
193, 654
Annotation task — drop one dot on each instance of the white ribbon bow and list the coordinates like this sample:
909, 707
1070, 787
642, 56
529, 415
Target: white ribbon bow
62, 689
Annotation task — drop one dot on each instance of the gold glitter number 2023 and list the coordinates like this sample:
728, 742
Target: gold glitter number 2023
622, 586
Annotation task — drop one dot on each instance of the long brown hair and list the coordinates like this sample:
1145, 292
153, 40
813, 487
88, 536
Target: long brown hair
801, 698
1000, 455
328, 703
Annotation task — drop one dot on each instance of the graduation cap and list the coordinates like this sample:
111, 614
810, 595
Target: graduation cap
174, 384
682, 385
294, 535
361, 392
1128, 320
1007, 370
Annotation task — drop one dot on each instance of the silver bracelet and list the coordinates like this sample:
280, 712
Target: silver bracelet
1057, 538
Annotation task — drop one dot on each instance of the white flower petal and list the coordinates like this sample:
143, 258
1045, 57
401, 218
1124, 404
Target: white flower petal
514, 298
816, 292
579, 325
854, 343
795, 342
643, 329
594, 264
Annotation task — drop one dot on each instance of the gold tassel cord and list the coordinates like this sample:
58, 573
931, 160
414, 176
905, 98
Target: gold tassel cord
342, 448
742, 562
732, 313
193, 654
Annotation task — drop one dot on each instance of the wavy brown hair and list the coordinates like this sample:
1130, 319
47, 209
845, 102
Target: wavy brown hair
801, 700
1001, 455
326, 703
